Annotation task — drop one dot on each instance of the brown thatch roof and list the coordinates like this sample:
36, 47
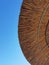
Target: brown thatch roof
34, 31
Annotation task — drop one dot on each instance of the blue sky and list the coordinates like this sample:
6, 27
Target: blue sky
10, 51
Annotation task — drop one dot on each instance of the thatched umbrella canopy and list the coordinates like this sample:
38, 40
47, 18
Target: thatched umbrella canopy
34, 31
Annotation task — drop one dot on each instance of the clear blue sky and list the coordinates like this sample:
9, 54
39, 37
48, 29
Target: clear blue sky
10, 51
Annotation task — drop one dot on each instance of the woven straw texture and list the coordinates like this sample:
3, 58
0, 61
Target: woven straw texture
33, 30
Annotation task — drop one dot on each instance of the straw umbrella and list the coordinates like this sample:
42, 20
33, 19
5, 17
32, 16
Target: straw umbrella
33, 30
